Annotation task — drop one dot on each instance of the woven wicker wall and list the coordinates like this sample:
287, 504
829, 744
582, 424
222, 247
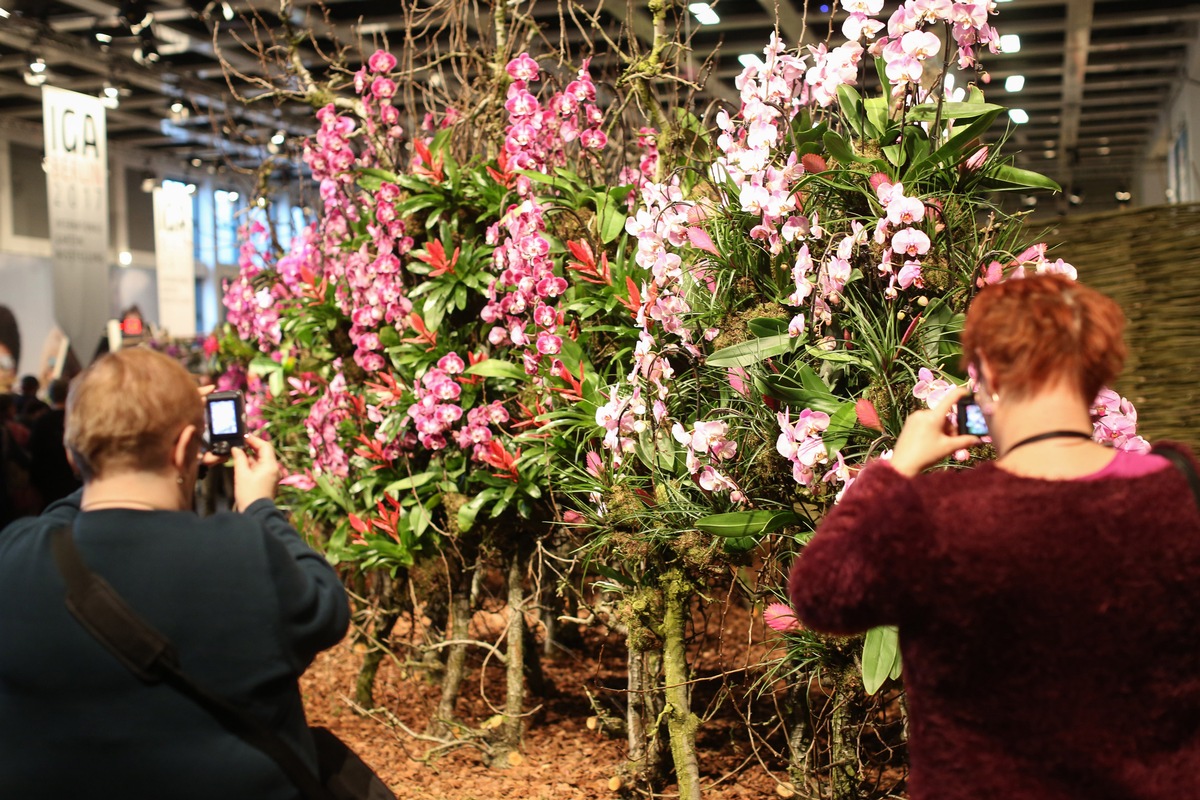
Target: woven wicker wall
1148, 260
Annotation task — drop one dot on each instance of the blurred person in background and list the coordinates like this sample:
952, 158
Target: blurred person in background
1048, 602
10, 349
28, 405
18, 498
246, 604
53, 476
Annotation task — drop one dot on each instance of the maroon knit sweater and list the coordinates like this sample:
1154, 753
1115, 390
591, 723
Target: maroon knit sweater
1050, 630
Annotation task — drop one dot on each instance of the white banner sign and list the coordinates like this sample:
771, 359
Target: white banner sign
176, 266
77, 185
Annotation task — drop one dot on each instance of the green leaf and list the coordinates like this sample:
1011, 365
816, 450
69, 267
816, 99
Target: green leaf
839, 148
852, 108
740, 544
881, 657
1018, 178
610, 213
841, 423
738, 524
612, 574
928, 112
767, 326
497, 368
371, 178
744, 354
411, 482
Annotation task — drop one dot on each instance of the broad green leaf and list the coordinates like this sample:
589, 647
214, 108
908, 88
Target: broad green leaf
612, 574
610, 216
852, 108
740, 544
371, 178
744, 354
1018, 178
767, 326
411, 482
497, 368
839, 148
738, 524
881, 657
841, 423
928, 112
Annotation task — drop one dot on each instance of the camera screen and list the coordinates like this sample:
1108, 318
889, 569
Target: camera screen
976, 423
223, 417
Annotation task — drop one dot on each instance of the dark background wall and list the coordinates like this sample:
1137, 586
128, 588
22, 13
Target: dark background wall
1148, 260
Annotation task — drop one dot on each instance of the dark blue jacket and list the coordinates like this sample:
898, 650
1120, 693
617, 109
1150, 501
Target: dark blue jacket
246, 603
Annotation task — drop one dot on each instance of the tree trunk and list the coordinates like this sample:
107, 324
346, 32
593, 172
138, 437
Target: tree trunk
515, 698
386, 612
461, 604
801, 738
681, 722
843, 732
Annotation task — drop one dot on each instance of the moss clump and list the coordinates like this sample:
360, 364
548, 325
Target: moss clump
735, 328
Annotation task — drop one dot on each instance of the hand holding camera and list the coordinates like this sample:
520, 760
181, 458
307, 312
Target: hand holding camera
927, 436
255, 472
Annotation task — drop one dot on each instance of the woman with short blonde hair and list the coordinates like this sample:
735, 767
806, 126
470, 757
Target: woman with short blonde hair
246, 603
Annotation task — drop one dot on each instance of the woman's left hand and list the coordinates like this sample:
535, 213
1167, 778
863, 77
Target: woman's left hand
929, 436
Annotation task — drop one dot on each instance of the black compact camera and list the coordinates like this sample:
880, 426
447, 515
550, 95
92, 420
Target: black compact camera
225, 418
971, 421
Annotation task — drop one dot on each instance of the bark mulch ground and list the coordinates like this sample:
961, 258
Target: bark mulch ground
563, 758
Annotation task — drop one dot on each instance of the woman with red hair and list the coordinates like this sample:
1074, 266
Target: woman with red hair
1048, 601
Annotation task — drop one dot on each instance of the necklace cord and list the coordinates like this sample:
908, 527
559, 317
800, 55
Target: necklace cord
1041, 437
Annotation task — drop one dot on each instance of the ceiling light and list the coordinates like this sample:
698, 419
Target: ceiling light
279, 138
1029, 200
1075, 197
1048, 143
191, 187
149, 184
1104, 150
125, 257
1050, 153
110, 90
1014, 83
750, 60
1018, 115
1010, 43
3, 14
104, 38
37, 66
227, 12
33, 78
197, 162
233, 197
704, 13
1123, 196
148, 52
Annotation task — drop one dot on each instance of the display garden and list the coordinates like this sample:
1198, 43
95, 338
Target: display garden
567, 352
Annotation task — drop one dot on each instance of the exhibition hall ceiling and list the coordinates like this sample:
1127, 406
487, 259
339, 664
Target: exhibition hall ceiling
1091, 76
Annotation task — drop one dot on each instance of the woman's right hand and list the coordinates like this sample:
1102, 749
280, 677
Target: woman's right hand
255, 472
927, 436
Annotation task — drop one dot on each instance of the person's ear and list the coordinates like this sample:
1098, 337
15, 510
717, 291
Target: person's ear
989, 376
184, 451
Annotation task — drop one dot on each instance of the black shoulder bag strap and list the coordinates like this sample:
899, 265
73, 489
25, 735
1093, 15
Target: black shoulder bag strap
151, 657
1184, 465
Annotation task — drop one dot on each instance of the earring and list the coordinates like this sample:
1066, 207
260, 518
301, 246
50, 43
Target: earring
179, 480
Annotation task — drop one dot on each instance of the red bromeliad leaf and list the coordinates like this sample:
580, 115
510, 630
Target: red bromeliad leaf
701, 240
359, 524
868, 417
813, 163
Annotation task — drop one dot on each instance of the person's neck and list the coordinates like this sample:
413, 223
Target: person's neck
1051, 410
144, 491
